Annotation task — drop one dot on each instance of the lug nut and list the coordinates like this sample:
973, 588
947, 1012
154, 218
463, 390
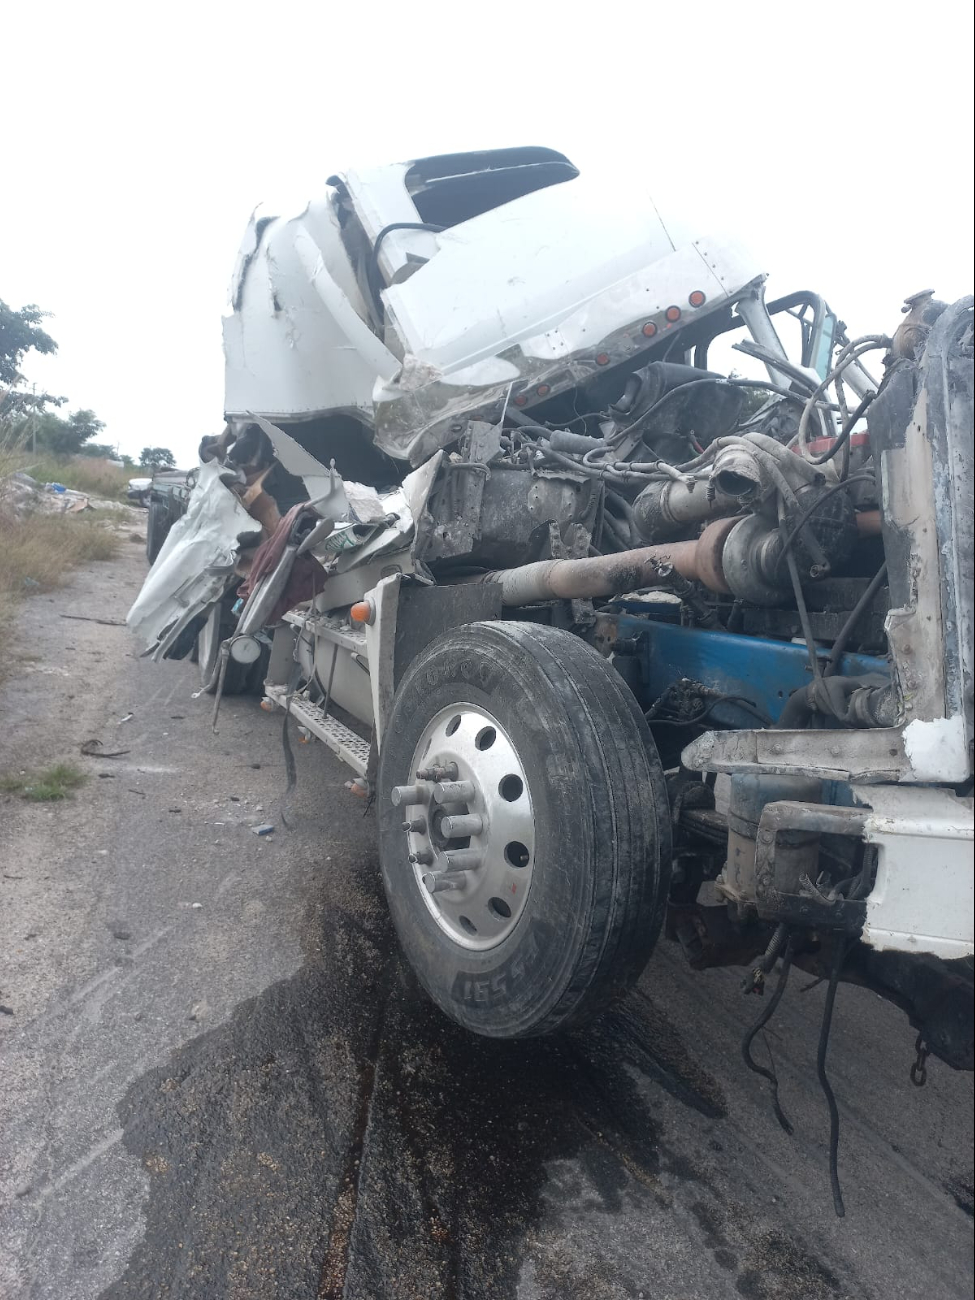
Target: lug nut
462, 824
437, 881
453, 791
408, 794
418, 824
422, 858
448, 772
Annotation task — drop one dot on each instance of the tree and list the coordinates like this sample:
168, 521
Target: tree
44, 429
157, 458
103, 450
21, 332
85, 425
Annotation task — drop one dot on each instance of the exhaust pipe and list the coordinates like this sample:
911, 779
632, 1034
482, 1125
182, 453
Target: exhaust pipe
608, 575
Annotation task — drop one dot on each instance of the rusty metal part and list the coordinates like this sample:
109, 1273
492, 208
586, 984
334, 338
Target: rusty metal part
600, 575
868, 523
783, 885
710, 546
609, 575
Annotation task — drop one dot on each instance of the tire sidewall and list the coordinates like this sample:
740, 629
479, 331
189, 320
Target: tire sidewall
504, 991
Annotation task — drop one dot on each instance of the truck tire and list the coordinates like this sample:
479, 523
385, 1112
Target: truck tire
555, 902
156, 530
214, 631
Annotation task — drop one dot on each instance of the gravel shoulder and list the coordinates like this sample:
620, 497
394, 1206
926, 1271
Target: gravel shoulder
220, 1080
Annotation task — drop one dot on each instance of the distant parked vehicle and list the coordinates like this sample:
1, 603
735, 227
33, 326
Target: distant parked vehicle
138, 491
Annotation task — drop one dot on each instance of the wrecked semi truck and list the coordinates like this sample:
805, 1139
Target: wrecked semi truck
618, 643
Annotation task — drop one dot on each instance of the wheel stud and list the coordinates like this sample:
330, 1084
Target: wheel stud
437, 881
418, 824
453, 791
462, 824
463, 859
408, 794
422, 858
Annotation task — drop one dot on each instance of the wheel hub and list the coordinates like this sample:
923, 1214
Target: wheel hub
469, 826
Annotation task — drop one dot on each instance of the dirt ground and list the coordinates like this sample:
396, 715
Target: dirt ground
219, 1080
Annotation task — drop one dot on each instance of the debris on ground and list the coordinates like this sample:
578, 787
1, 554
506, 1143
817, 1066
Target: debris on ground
94, 748
21, 495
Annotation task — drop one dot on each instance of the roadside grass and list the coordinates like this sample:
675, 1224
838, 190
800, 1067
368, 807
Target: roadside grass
47, 785
37, 554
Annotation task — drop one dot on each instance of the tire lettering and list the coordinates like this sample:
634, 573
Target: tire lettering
494, 989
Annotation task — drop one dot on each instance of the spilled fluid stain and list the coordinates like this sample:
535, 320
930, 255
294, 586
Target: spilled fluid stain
339, 1137
462, 1129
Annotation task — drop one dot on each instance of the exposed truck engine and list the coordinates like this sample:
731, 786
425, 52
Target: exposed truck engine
618, 644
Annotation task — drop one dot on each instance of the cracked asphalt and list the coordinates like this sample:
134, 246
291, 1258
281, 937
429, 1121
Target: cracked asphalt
220, 1080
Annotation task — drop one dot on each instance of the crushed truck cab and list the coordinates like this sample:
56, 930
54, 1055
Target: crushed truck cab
618, 643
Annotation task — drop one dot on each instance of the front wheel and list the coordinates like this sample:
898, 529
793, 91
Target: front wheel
525, 832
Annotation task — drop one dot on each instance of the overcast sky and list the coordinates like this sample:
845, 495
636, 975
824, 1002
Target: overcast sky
837, 137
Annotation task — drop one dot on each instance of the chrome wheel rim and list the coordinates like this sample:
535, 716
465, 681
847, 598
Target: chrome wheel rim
469, 826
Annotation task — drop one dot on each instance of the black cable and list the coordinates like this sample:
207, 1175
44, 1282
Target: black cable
844, 434
765, 1016
290, 767
738, 700
839, 955
803, 616
777, 388
846, 631
530, 427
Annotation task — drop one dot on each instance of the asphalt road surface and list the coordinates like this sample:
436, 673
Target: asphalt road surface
219, 1080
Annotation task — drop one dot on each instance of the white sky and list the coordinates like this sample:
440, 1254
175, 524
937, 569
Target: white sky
836, 137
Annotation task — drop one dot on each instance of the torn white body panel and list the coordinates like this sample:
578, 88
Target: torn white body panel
196, 560
287, 355
937, 749
924, 896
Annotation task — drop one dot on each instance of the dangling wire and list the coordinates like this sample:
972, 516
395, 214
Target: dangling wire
839, 956
766, 1015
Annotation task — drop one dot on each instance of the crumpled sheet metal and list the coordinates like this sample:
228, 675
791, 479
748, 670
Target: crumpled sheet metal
353, 506
196, 560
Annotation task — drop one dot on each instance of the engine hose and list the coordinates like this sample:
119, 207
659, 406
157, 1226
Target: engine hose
846, 631
854, 355
844, 437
